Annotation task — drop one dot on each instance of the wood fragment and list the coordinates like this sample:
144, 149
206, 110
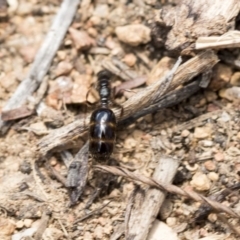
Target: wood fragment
43, 58
141, 217
198, 121
16, 113
168, 100
203, 62
136, 82
191, 19
77, 175
230, 39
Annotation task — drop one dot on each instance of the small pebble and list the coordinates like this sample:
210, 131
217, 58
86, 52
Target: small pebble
148, 118
213, 176
212, 217
130, 59
230, 94
98, 232
134, 34
210, 96
63, 68
101, 10
222, 75
207, 143
202, 102
61, 55
219, 157
92, 32
28, 222
185, 133
95, 20
200, 182
210, 165
161, 231
137, 134
108, 229
19, 224
202, 132
171, 221
81, 39
130, 143
88, 235
53, 161
102, 221
235, 79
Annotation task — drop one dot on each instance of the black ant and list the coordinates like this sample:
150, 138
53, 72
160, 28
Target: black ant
102, 130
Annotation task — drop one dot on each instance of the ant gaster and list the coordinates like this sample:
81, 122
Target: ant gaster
102, 129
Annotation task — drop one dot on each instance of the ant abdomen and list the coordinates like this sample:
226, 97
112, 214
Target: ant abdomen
102, 133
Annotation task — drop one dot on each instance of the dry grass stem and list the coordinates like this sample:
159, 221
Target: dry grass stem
230, 39
216, 206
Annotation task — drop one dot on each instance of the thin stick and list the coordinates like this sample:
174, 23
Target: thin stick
216, 206
43, 58
201, 63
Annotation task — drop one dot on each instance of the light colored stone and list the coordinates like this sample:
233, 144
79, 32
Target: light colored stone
171, 221
130, 143
185, 133
28, 222
134, 34
101, 10
219, 156
210, 165
212, 217
81, 39
230, 94
235, 79
98, 232
200, 182
63, 68
213, 176
221, 77
19, 224
202, 132
130, 59
137, 134
39, 128
161, 231
207, 143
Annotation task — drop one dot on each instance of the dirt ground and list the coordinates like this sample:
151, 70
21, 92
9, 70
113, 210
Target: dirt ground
203, 132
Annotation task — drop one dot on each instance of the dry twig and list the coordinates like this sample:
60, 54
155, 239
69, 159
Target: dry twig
201, 63
43, 58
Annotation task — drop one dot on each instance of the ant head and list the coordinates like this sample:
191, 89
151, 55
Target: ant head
104, 74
